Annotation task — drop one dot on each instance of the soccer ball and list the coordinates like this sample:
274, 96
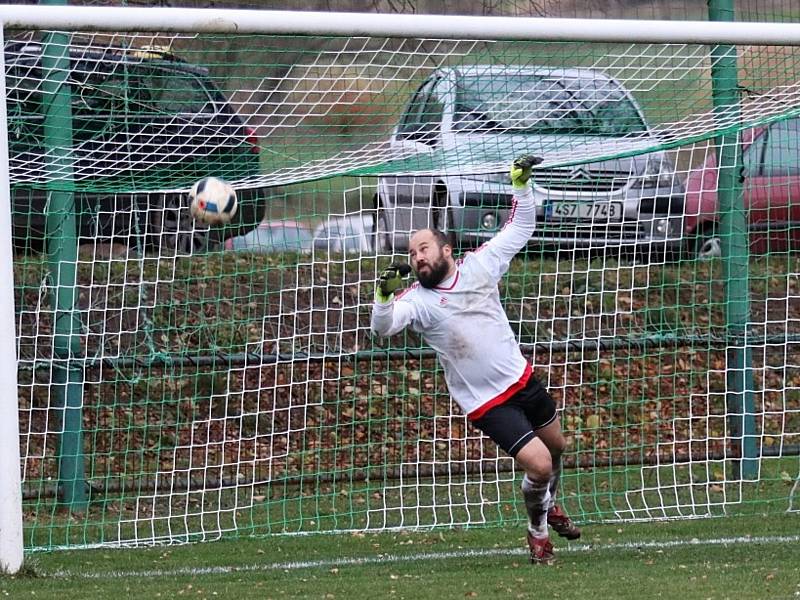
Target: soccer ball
212, 201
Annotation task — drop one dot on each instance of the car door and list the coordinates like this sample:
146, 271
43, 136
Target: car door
772, 191
407, 199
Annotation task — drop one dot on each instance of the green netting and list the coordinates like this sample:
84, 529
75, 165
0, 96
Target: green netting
224, 381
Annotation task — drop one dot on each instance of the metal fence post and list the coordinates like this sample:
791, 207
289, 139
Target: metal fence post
735, 251
62, 248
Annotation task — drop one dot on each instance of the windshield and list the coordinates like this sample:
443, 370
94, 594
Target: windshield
523, 103
140, 89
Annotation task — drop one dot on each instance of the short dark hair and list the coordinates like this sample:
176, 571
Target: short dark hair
441, 238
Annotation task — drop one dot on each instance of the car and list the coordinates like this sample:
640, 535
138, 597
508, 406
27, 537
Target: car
505, 111
770, 193
142, 119
348, 234
274, 236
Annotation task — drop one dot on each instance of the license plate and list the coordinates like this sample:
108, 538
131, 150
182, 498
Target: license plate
587, 211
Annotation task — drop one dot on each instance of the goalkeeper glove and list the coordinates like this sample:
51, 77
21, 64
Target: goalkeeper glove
390, 281
521, 170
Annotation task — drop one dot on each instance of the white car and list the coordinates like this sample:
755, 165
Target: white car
349, 234
273, 236
489, 114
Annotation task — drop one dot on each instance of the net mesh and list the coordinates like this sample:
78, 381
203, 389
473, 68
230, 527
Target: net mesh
225, 380
339, 101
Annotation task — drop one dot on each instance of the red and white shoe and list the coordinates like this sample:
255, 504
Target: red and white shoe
562, 524
541, 550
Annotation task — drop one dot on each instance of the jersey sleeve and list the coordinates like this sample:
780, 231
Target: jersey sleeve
391, 317
496, 254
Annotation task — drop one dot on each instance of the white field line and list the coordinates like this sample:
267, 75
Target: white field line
381, 559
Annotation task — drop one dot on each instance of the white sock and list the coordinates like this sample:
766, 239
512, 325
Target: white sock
537, 500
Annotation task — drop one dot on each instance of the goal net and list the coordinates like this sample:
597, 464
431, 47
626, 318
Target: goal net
181, 382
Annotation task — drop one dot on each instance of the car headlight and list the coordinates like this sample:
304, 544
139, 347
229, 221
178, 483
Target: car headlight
489, 221
667, 227
657, 173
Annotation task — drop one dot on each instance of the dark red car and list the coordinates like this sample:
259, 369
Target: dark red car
771, 193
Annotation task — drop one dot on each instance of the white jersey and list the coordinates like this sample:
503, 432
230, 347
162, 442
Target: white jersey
463, 320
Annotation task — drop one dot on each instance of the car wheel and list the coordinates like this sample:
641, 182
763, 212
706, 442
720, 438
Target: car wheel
707, 245
442, 216
173, 232
381, 236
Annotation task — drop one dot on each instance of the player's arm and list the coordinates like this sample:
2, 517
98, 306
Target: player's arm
388, 316
496, 254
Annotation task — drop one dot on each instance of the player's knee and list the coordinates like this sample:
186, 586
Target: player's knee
538, 466
540, 471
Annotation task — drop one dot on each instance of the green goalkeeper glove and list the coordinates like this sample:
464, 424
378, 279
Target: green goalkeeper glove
521, 170
390, 281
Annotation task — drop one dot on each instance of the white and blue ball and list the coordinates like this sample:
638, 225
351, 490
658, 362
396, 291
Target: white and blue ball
212, 201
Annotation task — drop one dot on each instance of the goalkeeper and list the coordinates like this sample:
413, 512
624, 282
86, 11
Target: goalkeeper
455, 305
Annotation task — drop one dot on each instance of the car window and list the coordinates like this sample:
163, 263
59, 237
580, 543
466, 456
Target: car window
782, 149
112, 85
753, 155
606, 106
23, 107
23, 89
103, 87
433, 111
410, 121
176, 92
424, 114
529, 103
140, 88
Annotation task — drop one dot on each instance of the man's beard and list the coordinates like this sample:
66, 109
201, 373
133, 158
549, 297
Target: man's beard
438, 271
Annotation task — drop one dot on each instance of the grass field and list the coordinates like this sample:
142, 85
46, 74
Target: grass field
733, 557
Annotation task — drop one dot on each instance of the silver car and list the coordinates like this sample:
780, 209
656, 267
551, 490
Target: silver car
347, 234
491, 114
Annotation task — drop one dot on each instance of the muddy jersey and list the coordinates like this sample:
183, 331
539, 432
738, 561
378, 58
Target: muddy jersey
463, 320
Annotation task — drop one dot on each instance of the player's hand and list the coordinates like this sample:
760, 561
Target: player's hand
391, 280
521, 170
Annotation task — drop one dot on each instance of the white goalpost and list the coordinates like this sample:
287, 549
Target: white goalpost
11, 492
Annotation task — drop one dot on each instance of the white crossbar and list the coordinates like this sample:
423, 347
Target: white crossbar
96, 18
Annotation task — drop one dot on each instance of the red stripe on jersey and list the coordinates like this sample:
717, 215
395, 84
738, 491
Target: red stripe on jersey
447, 289
506, 224
513, 211
499, 399
408, 289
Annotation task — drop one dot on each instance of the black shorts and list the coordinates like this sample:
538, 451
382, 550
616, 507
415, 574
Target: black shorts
513, 423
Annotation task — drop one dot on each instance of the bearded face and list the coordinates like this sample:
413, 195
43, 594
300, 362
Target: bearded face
430, 257
431, 271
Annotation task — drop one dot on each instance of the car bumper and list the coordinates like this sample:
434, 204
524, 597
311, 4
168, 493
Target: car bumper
476, 224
